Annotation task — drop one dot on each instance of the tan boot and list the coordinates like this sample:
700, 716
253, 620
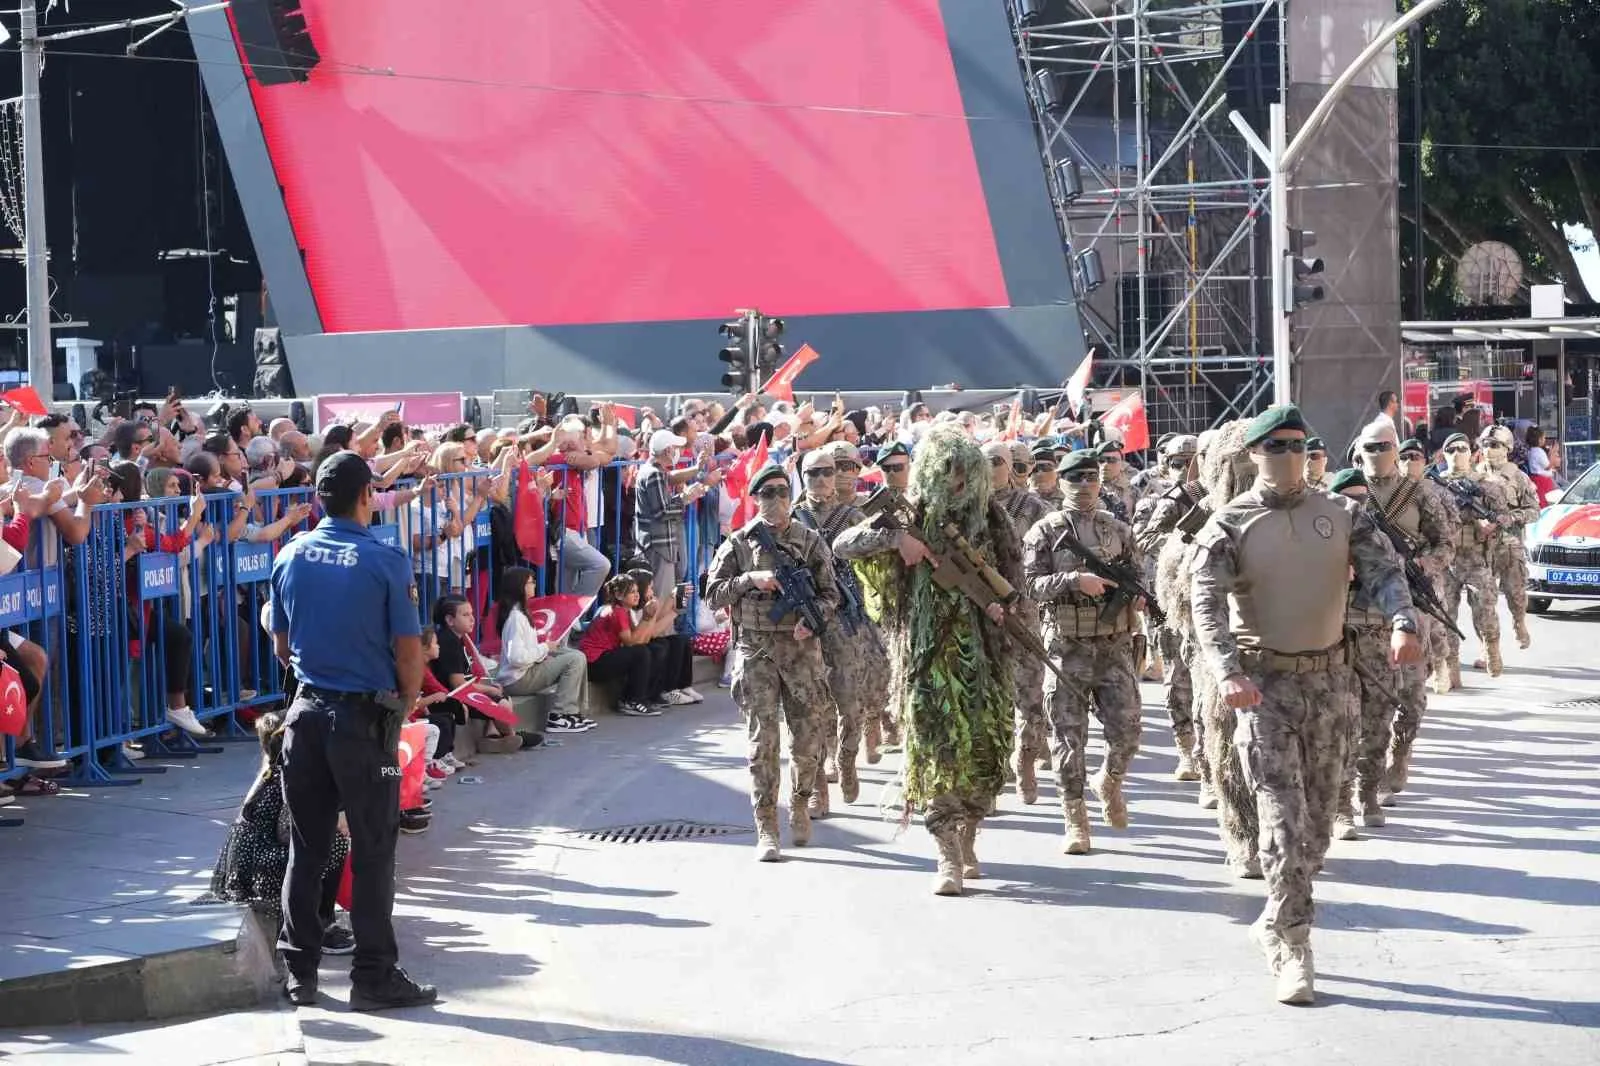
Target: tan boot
817, 805
1076, 815
1440, 681
1046, 763
1524, 639
1246, 867
947, 882
1344, 818
849, 782
1186, 769
767, 836
871, 737
1399, 767
969, 851
1296, 972
1268, 943
1113, 808
799, 824
831, 766
1372, 812
1455, 673
1492, 650
1208, 796
1027, 779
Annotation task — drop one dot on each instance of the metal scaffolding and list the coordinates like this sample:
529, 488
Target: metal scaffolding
1158, 198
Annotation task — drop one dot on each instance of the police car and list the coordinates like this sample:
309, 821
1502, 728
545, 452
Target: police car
1564, 546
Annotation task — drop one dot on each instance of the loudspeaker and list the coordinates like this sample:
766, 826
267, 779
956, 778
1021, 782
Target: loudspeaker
1254, 79
272, 371
276, 42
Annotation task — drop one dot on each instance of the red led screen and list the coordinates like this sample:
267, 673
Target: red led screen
543, 162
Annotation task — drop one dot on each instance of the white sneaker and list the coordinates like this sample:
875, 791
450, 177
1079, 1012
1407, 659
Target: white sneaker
444, 766
131, 753
246, 695
694, 697
674, 698
454, 763
431, 783
184, 719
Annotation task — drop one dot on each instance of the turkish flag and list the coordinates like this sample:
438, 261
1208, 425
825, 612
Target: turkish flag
554, 616
781, 384
1128, 419
737, 481
484, 704
13, 702
628, 416
25, 399
1078, 384
413, 752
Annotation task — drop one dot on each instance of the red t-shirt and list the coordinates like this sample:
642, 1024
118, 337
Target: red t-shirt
605, 632
574, 502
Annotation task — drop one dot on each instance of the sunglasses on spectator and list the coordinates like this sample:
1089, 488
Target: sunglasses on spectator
894, 468
1278, 447
1457, 449
1079, 477
1376, 447
820, 471
774, 492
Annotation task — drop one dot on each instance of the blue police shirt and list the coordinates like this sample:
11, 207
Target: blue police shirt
342, 597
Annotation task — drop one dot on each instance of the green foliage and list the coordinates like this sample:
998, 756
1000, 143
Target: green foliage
1500, 81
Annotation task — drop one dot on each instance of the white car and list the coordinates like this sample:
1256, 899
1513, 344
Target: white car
1563, 546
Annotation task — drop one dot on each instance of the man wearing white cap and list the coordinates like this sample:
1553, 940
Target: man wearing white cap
658, 514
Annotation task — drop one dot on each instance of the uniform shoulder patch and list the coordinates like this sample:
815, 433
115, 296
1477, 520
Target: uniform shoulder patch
1324, 526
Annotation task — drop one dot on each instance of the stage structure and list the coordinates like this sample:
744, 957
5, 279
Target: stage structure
1163, 205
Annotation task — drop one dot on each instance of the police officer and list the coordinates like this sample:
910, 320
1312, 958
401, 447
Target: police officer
344, 617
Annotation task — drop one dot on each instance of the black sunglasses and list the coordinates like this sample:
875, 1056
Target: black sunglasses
1041, 465
774, 492
1021, 468
820, 471
894, 468
1278, 447
1410, 457
997, 461
1458, 449
1078, 477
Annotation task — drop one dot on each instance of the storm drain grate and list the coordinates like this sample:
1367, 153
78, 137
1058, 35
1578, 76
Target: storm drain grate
654, 832
1583, 703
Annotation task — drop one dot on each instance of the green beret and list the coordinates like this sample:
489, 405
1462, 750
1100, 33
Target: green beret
770, 472
1314, 444
896, 448
1268, 422
1410, 444
1043, 448
1106, 447
1345, 478
1082, 459
1454, 437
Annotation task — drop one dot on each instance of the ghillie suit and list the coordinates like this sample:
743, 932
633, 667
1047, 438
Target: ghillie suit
954, 669
1225, 471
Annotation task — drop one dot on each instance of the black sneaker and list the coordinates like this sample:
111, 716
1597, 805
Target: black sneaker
302, 992
31, 754
415, 821
529, 740
638, 710
337, 940
396, 989
562, 723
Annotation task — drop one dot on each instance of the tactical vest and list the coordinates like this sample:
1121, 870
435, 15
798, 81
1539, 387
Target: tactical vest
852, 603
751, 612
1294, 571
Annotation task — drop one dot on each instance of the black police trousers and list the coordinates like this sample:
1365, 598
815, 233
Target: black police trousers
334, 759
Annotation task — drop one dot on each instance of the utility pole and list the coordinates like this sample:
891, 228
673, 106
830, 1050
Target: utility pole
41, 357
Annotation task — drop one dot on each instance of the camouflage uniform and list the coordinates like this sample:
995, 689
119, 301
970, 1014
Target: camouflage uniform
1472, 571
844, 649
1509, 559
1053, 497
1374, 685
1413, 679
1292, 745
1118, 497
1026, 509
1161, 519
1082, 645
776, 675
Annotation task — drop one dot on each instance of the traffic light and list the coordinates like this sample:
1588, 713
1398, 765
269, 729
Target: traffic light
769, 355
740, 354
1302, 283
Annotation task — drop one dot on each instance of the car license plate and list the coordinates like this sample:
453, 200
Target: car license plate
1574, 577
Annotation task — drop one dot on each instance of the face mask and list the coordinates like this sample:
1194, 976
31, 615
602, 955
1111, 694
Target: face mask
1413, 469
1460, 462
1085, 496
774, 512
1318, 466
1379, 464
844, 485
1280, 473
1495, 453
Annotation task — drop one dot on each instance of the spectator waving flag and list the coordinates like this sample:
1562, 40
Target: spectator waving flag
781, 384
1128, 419
737, 481
1078, 384
25, 399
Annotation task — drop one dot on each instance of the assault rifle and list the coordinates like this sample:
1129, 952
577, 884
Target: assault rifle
1422, 594
1125, 578
1469, 497
797, 590
962, 570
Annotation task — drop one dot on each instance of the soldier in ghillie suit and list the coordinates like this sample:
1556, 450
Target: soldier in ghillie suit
1225, 471
954, 663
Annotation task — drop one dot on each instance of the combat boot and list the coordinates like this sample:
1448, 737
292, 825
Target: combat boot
1399, 767
947, 882
1455, 673
1524, 639
969, 850
831, 770
849, 782
817, 805
1076, 815
767, 836
1269, 944
1186, 769
1027, 779
1344, 819
1113, 808
1372, 811
1245, 867
872, 737
1046, 763
1296, 969
1491, 649
891, 735
1208, 795
1440, 682
799, 823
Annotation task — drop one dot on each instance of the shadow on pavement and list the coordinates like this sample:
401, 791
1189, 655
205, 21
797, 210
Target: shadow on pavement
1465, 1004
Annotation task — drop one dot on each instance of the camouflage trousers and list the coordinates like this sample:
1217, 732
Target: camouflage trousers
839, 729
950, 810
1414, 679
779, 679
1176, 686
1510, 564
1473, 577
1376, 690
1030, 738
1292, 750
1106, 687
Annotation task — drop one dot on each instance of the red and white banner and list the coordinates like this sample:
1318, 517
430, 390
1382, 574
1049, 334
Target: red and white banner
422, 410
737, 481
413, 761
1129, 422
25, 398
781, 384
554, 616
13, 702
1079, 382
